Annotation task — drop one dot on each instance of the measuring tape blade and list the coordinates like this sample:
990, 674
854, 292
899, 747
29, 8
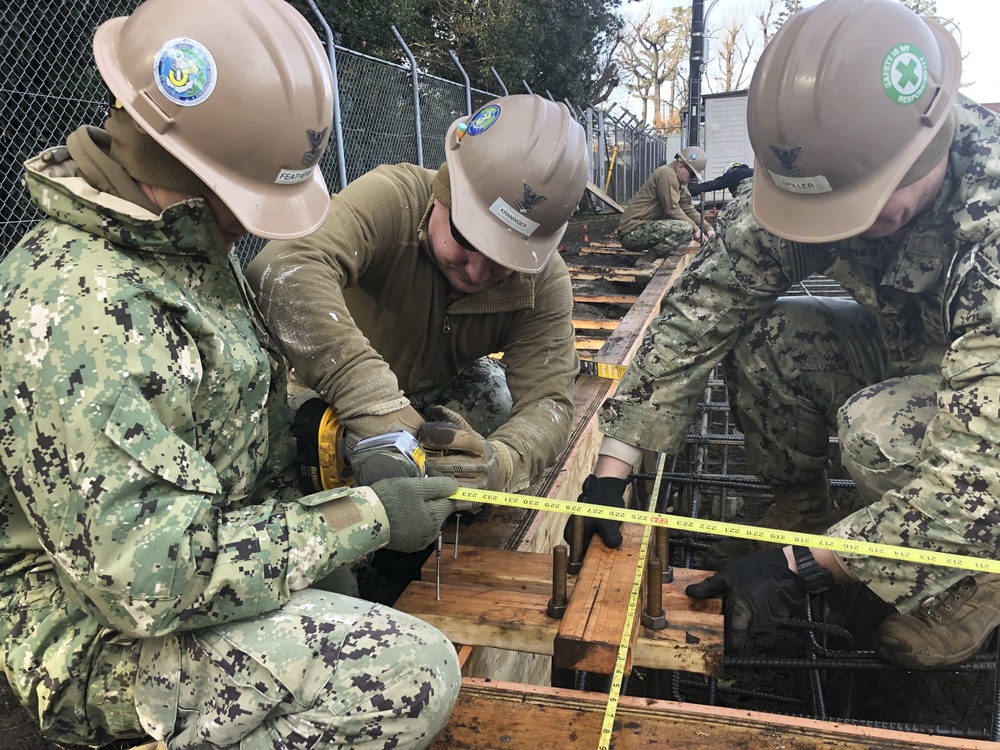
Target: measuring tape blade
618, 676
723, 528
602, 369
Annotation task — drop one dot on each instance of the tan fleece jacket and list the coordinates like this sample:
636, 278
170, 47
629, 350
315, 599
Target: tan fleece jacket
362, 311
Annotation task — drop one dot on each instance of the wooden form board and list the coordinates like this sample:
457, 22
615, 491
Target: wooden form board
492, 714
538, 532
498, 598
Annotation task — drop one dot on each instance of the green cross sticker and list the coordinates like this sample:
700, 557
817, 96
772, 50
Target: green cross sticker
904, 73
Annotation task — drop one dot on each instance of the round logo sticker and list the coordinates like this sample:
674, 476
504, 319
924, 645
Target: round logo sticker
484, 119
904, 74
185, 72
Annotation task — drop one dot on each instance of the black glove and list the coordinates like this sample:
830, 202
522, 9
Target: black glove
758, 591
607, 491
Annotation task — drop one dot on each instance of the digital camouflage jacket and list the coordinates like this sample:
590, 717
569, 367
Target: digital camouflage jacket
145, 454
934, 287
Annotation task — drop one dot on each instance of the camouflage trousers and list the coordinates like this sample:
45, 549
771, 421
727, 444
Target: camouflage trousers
479, 393
813, 366
658, 237
324, 671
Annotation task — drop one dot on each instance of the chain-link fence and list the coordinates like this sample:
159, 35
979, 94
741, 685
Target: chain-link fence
388, 113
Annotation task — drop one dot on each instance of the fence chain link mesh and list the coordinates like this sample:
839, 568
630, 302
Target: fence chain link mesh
49, 86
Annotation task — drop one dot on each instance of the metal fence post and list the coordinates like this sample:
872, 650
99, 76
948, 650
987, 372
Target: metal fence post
503, 86
465, 78
602, 149
526, 86
338, 128
416, 94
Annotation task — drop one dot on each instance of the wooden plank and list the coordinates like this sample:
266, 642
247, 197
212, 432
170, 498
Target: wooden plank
608, 250
610, 273
499, 598
588, 345
492, 714
606, 299
595, 325
630, 276
602, 196
591, 630
508, 570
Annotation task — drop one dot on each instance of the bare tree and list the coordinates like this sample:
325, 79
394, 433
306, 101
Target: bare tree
653, 55
732, 56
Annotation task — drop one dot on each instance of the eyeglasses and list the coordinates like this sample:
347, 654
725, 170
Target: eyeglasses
460, 238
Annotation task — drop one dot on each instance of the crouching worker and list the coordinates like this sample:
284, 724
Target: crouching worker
156, 556
390, 311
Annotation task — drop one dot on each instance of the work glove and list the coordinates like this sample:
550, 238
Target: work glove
456, 450
758, 592
606, 491
417, 507
406, 419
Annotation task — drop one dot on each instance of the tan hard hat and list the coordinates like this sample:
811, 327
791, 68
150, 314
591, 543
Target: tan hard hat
694, 158
240, 92
845, 99
518, 168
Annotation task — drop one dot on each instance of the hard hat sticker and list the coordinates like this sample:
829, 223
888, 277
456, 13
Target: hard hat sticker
512, 218
185, 72
484, 119
815, 184
904, 74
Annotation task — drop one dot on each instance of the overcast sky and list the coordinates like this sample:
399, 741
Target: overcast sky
978, 20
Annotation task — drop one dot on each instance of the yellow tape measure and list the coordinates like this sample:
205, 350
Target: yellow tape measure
722, 528
602, 369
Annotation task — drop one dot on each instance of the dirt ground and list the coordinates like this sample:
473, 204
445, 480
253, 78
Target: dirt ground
936, 699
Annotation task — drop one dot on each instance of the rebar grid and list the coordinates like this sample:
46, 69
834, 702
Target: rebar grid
709, 479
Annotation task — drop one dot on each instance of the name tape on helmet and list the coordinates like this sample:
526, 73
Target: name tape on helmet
742, 531
513, 218
293, 176
817, 184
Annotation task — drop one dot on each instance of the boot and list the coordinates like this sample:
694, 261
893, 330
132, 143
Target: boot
805, 507
948, 629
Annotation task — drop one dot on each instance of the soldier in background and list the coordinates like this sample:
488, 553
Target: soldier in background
661, 216
156, 554
729, 180
873, 171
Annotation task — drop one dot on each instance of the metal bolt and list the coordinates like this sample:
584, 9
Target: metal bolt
575, 544
663, 553
654, 617
557, 604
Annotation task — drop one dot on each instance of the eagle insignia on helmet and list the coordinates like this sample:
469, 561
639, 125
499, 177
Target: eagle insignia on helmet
787, 157
531, 199
315, 141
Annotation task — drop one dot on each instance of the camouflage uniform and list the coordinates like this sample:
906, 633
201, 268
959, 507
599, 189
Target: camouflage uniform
912, 361
155, 553
660, 216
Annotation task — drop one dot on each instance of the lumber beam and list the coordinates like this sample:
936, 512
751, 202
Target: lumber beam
491, 714
498, 598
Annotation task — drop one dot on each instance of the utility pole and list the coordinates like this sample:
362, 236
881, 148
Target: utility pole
696, 62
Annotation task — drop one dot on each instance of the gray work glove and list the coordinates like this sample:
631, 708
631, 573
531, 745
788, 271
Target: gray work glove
417, 507
456, 450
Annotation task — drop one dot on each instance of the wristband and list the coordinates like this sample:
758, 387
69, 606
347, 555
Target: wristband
818, 579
